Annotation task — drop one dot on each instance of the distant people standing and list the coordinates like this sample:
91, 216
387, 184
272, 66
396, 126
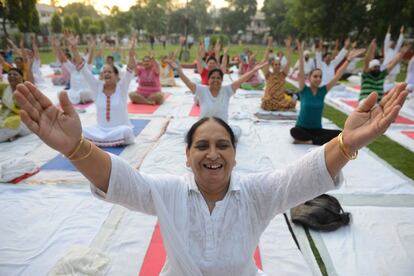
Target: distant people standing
391, 49
163, 40
327, 64
207, 42
373, 76
190, 41
152, 41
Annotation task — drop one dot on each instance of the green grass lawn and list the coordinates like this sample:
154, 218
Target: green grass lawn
143, 49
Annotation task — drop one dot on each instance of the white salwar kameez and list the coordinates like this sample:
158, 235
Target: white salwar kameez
113, 128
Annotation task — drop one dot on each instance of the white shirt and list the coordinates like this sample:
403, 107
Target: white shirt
390, 53
328, 71
77, 83
223, 242
118, 110
308, 65
214, 106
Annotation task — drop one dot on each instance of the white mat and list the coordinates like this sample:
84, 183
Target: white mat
379, 241
39, 224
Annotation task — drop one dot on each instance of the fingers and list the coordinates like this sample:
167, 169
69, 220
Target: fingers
27, 120
368, 103
66, 104
390, 98
40, 97
21, 95
388, 119
35, 107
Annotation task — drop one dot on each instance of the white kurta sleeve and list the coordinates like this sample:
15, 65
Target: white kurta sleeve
125, 81
90, 79
399, 44
339, 57
69, 66
318, 59
278, 191
131, 189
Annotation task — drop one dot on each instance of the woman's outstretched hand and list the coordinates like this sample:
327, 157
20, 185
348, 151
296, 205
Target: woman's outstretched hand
368, 122
61, 130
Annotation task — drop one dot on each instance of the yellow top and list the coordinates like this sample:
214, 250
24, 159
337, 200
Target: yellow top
9, 110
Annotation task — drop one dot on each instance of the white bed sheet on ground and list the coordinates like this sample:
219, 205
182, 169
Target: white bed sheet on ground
279, 253
379, 241
128, 244
39, 224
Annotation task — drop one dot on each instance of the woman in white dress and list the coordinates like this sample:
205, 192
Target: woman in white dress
78, 93
211, 220
111, 97
214, 98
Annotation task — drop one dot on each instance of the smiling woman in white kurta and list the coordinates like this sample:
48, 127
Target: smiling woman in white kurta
113, 128
110, 94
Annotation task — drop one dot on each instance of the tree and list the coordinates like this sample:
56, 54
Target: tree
80, 9
56, 24
101, 26
76, 24
155, 16
275, 17
20, 12
85, 24
241, 12
198, 15
67, 22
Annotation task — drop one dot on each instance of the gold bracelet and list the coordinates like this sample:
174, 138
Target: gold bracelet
344, 150
76, 149
85, 156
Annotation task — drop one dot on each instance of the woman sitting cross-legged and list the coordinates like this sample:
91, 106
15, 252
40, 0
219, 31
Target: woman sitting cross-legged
275, 98
308, 129
111, 98
10, 124
149, 87
212, 218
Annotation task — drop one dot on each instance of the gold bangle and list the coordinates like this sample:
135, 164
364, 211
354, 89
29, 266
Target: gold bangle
85, 156
76, 149
344, 150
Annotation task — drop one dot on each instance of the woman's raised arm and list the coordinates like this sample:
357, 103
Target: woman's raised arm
363, 126
62, 131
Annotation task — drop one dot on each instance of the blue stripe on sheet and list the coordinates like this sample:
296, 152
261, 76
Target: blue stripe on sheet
60, 163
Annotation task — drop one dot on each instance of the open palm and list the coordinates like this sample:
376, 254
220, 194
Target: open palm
367, 122
61, 130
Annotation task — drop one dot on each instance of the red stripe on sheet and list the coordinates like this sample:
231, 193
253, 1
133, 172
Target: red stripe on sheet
144, 108
351, 103
410, 134
195, 111
257, 258
357, 87
399, 120
403, 120
155, 257
24, 176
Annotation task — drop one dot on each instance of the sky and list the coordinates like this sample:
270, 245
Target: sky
125, 4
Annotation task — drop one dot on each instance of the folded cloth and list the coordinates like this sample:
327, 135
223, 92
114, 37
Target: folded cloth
280, 116
16, 167
80, 261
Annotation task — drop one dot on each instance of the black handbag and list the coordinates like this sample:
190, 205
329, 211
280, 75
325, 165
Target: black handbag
321, 213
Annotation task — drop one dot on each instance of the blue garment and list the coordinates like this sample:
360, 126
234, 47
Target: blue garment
99, 63
8, 56
311, 107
